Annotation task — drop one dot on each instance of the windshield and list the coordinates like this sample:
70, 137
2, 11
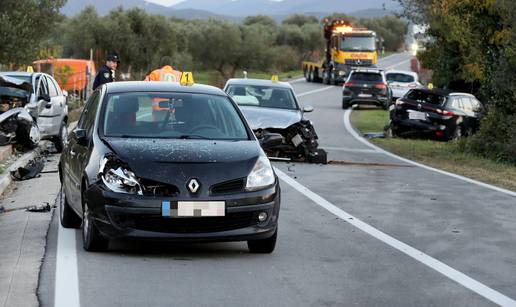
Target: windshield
366, 76
263, 96
398, 77
27, 79
358, 43
172, 115
425, 97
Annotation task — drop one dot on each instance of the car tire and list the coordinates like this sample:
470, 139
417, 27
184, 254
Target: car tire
67, 217
29, 136
263, 246
458, 133
310, 76
318, 157
92, 240
326, 76
60, 140
345, 104
386, 105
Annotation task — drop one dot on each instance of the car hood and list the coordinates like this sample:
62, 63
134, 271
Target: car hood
263, 118
6, 81
176, 161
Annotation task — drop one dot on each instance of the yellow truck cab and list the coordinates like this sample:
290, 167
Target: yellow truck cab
346, 48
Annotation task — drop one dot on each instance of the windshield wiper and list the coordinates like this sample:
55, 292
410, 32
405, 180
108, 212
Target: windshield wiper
192, 136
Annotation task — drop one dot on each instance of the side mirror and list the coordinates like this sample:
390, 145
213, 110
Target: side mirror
44, 97
271, 140
80, 136
308, 109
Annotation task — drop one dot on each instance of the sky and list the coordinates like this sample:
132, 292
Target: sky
172, 2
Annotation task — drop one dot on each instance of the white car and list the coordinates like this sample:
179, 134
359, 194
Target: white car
46, 104
401, 81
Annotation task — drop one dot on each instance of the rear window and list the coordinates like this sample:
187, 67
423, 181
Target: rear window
425, 97
397, 77
366, 76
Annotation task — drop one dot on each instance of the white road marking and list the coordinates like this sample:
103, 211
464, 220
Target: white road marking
350, 149
316, 91
459, 277
297, 80
349, 128
67, 281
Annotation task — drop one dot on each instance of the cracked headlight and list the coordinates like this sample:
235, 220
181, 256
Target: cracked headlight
261, 176
119, 178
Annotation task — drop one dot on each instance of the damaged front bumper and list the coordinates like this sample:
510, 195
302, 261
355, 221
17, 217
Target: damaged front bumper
141, 217
299, 143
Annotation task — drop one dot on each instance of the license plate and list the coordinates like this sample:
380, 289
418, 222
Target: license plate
417, 115
364, 95
193, 208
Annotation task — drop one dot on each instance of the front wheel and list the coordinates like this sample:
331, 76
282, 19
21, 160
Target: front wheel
92, 240
68, 217
29, 136
345, 104
263, 246
61, 139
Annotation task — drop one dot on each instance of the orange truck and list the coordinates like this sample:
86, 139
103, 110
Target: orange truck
347, 47
71, 74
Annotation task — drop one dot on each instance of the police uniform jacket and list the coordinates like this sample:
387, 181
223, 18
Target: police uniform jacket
105, 75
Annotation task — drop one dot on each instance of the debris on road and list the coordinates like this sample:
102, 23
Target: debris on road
39, 208
375, 135
31, 170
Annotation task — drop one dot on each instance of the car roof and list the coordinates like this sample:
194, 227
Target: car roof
156, 86
443, 92
407, 72
368, 70
260, 82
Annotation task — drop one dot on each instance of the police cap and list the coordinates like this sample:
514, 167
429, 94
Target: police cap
113, 57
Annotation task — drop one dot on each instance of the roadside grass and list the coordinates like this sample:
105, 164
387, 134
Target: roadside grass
447, 156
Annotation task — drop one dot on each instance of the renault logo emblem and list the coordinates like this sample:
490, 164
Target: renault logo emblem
419, 106
193, 186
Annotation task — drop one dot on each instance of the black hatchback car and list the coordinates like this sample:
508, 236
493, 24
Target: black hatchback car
367, 87
195, 174
439, 114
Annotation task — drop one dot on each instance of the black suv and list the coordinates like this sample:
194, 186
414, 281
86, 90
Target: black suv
366, 86
440, 114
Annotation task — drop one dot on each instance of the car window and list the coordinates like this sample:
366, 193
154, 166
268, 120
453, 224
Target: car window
84, 114
366, 77
172, 115
466, 104
52, 91
477, 106
43, 87
399, 77
263, 96
455, 103
53, 87
426, 97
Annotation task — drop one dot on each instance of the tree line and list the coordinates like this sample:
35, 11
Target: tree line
472, 48
257, 43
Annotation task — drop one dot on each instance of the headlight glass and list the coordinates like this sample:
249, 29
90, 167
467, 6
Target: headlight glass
119, 178
261, 176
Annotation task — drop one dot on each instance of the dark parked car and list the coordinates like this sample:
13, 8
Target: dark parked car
367, 87
440, 114
272, 106
196, 174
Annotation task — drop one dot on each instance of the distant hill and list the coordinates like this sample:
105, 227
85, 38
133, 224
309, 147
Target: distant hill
237, 9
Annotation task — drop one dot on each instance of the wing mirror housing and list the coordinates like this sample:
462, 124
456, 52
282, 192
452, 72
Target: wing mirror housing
271, 140
80, 136
44, 97
308, 109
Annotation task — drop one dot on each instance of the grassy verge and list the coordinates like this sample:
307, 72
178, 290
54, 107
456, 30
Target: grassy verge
442, 155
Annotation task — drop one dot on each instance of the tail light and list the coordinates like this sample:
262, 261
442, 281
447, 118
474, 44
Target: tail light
445, 112
381, 86
348, 84
439, 133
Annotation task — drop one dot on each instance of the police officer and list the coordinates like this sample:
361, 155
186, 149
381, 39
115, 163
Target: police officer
106, 73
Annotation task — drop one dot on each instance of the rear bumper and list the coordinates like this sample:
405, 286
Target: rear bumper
376, 101
412, 127
137, 217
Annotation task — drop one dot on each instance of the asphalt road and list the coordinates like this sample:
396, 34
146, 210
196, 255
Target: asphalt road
375, 232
